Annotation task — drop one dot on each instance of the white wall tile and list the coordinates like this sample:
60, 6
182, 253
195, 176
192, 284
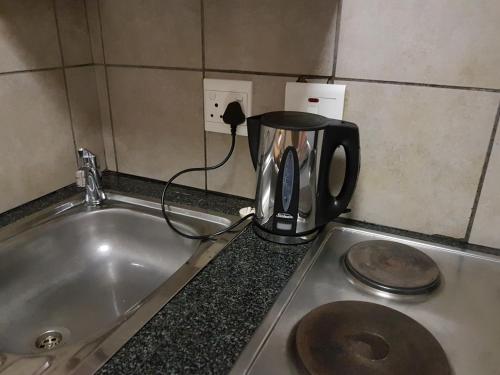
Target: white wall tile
107, 128
36, 144
448, 42
422, 150
158, 122
74, 32
285, 36
152, 32
486, 228
85, 112
28, 35
95, 30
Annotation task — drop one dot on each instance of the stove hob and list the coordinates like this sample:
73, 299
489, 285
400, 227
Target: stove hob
392, 267
352, 337
458, 313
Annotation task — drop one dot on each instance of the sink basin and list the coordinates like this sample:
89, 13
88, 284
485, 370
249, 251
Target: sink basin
72, 275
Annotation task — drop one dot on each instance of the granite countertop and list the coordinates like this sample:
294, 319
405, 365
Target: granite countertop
204, 328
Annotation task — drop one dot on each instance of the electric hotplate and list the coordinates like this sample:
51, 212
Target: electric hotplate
328, 319
363, 338
393, 267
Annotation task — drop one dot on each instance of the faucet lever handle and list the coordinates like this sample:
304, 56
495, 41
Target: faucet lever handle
86, 158
80, 177
89, 176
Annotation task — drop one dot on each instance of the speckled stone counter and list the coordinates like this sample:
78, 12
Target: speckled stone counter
227, 204
203, 329
37, 205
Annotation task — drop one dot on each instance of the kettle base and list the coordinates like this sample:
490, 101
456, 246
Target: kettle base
284, 240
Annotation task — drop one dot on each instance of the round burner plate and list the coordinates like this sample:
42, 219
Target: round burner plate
392, 267
362, 338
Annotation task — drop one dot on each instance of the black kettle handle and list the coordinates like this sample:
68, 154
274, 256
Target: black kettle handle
339, 133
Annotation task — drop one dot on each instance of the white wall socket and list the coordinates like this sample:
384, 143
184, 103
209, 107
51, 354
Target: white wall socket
218, 93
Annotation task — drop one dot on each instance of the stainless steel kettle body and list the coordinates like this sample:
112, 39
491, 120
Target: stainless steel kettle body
292, 153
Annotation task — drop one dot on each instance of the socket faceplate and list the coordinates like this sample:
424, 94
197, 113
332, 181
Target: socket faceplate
218, 93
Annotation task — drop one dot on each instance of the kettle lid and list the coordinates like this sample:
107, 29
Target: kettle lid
292, 120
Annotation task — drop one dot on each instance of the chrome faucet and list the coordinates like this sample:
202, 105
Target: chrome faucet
89, 177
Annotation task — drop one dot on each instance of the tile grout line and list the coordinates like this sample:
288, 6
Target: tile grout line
65, 80
158, 67
483, 176
107, 84
403, 83
96, 83
95, 76
337, 38
295, 75
205, 150
274, 74
204, 70
44, 69
88, 30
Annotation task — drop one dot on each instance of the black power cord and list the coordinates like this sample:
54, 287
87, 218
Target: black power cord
234, 116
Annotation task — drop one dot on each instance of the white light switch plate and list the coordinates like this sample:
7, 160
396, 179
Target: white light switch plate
320, 98
218, 93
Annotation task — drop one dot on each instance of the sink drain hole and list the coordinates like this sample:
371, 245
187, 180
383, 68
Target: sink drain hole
48, 340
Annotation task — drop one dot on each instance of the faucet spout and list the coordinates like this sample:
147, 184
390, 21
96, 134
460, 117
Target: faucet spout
89, 177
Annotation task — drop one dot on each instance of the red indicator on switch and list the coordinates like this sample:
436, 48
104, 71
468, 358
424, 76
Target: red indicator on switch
313, 100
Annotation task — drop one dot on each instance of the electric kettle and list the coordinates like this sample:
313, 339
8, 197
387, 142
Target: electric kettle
292, 153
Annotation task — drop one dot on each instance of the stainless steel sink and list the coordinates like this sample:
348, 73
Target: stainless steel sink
76, 281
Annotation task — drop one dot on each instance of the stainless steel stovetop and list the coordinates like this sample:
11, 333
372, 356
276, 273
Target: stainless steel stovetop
463, 313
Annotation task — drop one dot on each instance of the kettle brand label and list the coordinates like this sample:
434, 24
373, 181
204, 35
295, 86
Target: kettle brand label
284, 215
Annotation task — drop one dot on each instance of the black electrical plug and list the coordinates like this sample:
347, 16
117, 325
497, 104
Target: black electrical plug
234, 116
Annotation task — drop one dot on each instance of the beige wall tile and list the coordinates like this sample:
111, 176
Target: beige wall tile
238, 175
95, 30
74, 32
422, 150
28, 35
450, 42
85, 111
486, 228
107, 129
158, 122
283, 36
36, 145
152, 32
